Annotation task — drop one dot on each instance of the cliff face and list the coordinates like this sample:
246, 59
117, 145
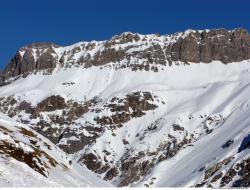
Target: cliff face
135, 50
222, 45
37, 56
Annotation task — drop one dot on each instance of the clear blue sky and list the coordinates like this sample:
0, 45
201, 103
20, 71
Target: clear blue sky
68, 21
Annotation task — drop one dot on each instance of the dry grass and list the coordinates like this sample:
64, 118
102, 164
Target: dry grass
27, 133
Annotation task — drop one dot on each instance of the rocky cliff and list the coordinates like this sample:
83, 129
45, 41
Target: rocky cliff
138, 51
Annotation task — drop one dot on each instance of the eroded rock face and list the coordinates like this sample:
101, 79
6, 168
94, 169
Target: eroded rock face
132, 106
93, 163
13, 68
24, 60
211, 171
133, 168
55, 119
244, 173
73, 146
214, 45
107, 56
140, 52
46, 60
237, 175
51, 103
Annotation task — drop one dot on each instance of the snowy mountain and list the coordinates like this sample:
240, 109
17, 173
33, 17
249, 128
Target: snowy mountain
135, 110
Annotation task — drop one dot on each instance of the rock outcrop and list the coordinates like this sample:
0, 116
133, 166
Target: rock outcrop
206, 46
34, 57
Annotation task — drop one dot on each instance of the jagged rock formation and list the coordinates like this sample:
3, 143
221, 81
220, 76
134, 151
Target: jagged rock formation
190, 46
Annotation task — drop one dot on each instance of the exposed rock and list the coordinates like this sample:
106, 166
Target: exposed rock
132, 172
26, 107
107, 56
51, 103
211, 171
76, 111
122, 39
111, 174
228, 143
48, 131
200, 184
93, 163
22, 64
244, 173
46, 60
217, 177
14, 67
177, 127
228, 177
133, 105
73, 146
134, 167
216, 44
7, 105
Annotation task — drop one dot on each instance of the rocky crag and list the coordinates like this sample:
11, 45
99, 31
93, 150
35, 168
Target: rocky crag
138, 51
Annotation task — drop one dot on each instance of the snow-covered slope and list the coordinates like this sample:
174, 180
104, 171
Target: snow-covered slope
29, 159
178, 124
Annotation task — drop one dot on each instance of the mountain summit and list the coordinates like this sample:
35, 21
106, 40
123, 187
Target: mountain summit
135, 110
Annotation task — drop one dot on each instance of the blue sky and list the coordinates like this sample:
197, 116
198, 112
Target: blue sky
68, 21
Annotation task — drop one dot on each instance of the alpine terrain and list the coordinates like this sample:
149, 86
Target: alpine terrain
135, 110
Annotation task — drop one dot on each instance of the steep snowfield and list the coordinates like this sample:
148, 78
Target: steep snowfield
107, 82
210, 102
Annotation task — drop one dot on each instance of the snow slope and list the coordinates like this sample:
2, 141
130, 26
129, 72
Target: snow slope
183, 169
14, 173
208, 102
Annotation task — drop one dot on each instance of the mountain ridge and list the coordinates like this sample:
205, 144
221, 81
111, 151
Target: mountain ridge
190, 46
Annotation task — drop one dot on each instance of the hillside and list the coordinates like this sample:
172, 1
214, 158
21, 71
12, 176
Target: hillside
135, 110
